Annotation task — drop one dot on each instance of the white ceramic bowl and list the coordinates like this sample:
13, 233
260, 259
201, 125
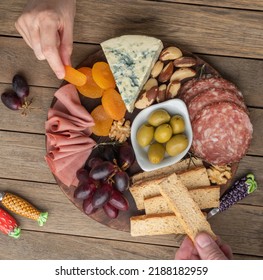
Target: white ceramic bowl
173, 107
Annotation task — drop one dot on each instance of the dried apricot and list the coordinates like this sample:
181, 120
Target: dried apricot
90, 89
113, 104
102, 75
74, 76
102, 121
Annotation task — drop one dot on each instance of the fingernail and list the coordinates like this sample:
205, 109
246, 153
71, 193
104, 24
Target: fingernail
60, 75
203, 240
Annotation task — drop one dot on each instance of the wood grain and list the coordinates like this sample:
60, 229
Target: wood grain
48, 197
16, 57
242, 4
46, 246
165, 20
228, 35
26, 152
22, 157
42, 98
40, 245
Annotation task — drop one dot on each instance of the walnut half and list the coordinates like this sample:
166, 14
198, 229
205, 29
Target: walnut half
219, 174
120, 130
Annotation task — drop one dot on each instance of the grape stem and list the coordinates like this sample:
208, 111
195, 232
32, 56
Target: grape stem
116, 169
26, 107
106, 144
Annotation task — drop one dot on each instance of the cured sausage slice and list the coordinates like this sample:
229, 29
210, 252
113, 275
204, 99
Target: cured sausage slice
210, 96
204, 84
222, 133
186, 86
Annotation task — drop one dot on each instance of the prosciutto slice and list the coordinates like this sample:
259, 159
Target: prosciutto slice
68, 135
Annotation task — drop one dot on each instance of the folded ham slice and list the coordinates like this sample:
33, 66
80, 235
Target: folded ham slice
68, 135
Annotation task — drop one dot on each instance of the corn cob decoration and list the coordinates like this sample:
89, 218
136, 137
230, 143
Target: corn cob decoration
22, 207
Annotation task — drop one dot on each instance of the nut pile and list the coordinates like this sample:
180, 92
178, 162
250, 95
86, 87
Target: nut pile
167, 74
219, 174
120, 130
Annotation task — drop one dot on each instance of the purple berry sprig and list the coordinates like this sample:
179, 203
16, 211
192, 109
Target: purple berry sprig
240, 189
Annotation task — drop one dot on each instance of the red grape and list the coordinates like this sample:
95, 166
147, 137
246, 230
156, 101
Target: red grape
102, 195
93, 162
108, 153
102, 171
87, 206
20, 86
82, 175
86, 189
121, 180
11, 100
110, 211
126, 156
119, 201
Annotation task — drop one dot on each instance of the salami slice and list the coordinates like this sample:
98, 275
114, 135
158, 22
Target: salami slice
204, 84
210, 96
221, 133
188, 84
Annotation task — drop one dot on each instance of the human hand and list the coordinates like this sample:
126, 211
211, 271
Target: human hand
47, 27
204, 248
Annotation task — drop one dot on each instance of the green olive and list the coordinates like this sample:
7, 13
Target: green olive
158, 117
156, 153
144, 135
163, 133
177, 124
177, 144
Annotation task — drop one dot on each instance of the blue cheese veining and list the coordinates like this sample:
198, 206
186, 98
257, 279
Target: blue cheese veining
131, 58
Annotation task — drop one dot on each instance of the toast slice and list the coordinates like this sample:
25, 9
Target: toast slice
183, 165
156, 224
185, 208
205, 197
192, 178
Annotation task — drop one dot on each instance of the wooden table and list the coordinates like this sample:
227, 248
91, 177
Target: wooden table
227, 34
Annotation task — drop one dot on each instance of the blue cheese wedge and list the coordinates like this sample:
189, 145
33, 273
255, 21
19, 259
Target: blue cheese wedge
131, 58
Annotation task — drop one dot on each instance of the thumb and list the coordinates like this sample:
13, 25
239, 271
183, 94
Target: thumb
207, 248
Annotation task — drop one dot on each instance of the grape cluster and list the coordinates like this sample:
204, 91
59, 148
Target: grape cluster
16, 99
103, 182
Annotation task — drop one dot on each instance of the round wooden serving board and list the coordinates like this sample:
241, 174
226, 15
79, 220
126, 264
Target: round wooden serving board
122, 222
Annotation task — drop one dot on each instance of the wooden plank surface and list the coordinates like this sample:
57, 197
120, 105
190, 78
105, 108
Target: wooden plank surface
44, 246
48, 197
42, 98
245, 73
241, 4
28, 157
234, 49
22, 157
165, 20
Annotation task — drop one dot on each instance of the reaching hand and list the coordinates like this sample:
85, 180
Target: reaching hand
47, 27
205, 248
